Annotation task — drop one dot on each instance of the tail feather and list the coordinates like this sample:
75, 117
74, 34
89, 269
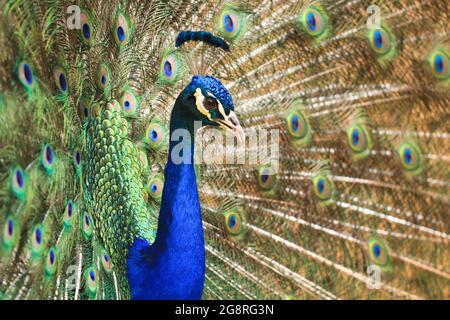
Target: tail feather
361, 109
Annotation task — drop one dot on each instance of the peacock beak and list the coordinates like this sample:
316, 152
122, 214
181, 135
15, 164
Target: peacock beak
231, 123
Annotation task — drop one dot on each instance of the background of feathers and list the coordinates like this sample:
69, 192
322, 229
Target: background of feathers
364, 144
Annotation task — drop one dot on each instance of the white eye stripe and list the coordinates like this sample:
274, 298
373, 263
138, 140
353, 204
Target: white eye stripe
222, 110
199, 98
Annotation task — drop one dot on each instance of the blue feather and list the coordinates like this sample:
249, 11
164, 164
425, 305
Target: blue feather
173, 267
207, 37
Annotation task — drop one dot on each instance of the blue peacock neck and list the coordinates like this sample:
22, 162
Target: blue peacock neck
173, 267
181, 126
180, 188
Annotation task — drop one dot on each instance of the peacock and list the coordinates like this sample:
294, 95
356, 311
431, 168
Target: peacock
224, 149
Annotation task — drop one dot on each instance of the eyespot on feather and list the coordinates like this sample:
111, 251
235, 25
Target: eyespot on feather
172, 67
86, 30
69, 214
103, 77
48, 159
86, 225
231, 23
379, 254
267, 178
50, 262
155, 187
121, 28
25, 75
91, 280
411, 158
155, 136
233, 223
37, 240
359, 140
10, 233
60, 77
129, 102
438, 64
323, 188
18, 182
84, 111
315, 22
106, 261
382, 42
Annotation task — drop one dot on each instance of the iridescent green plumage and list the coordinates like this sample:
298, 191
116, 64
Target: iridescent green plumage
85, 113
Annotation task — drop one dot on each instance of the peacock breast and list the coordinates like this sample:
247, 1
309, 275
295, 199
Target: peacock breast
114, 187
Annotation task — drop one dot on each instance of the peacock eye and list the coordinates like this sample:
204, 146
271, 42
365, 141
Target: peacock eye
104, 77
48, 159
297, 125
382, 42
60, 78
76, 159
357, 138
314, 20
210, 103
267, 178
323, 188
9, 233
172, 67
155, 136
18, 182
37, 239
128, 102
106, 261
155, 187
143, 158
228, 23
50, 265
86, 31
379, 254
121, 29
69, 213
411, 158
439, 62
91, 279
25, 74
235, 224
231, 23
87, 227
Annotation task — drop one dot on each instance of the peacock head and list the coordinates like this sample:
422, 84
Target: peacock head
207, 100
